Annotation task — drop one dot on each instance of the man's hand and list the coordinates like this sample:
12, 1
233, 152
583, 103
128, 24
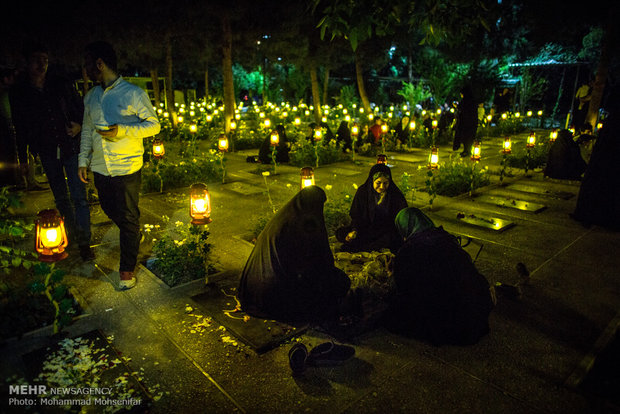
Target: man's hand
83, 174
74, 129
110, 133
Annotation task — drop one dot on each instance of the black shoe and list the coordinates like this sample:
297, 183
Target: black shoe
329, 354
297, 356
87, 253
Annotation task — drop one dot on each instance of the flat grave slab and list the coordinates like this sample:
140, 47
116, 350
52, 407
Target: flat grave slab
243, 188
513, 203
477, 220
533, 189
340, 171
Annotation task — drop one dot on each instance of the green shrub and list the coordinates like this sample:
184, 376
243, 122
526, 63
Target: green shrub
182, 254
534, 158
458, 177
162, 175
336, 211
304, 153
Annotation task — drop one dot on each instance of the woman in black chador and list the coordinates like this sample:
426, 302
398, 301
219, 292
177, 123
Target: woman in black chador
599, 198
564, 160
290, 275
343, 136
440, 295
466, 122
264, 153
373, 210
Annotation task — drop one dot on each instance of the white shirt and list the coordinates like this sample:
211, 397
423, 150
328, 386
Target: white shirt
127, 106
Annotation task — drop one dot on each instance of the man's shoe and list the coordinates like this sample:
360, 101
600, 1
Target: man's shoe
87, 253
128, 280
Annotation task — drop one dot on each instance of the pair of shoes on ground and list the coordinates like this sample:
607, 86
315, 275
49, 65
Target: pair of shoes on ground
325, 354
128, 280
87, 253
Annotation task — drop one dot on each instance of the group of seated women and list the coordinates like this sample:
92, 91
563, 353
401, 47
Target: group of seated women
290, 275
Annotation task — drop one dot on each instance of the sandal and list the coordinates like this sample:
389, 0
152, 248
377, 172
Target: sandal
297, 357
329, 354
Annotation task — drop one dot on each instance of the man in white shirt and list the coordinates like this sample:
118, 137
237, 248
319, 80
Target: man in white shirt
117, 116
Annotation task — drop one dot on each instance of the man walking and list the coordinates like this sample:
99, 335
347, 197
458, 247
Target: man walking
117, 116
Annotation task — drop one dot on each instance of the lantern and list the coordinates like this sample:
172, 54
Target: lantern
381, 159
434, 123
531, 140
475, 151
261, 114
347, 118
233, 125
433, 159
411, 125
318, 134
529, 113
274, 138
355, 130
384, 128
504, 115
200, 204
517, 114
553, 135
324, 119
209, 118
158, 148
371, 117
297, 121
180, 119
222, 143
599, 125
166, 114
507, 148
540, 113
193, 128
50, 236
489, 118
307, 177
267, 123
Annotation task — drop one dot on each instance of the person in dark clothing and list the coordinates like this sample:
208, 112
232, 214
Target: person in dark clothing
9, 174
440, 295
290, 275
599, 199
401, 130
372, 212
264, 153
328, 135
47, 113
466, 122
343, 136
564, 160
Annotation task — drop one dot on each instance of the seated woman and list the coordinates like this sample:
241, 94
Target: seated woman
564, 160
343, 136
440, 295
372, 212
290, 275
264, 153
401, 130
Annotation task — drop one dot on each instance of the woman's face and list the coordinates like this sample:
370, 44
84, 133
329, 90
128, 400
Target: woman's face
381, 185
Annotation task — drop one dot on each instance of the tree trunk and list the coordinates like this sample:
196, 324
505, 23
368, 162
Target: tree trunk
326, 87
316, 99
227, 74
206, 81
601, 75
410, 65
170, 89
359, 73
156, 91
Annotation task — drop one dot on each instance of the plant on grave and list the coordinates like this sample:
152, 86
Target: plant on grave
456, 177
528, 159
431, 187
336, 211
304, 152
182, 254
49, 281
165, 175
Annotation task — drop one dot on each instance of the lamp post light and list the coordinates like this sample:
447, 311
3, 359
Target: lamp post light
307, 177
200, 204
50, 236
553, 135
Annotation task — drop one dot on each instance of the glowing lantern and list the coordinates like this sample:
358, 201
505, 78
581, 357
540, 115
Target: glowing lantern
529, 113
371, 117
489, 118
267, 123
158, 148
599, 125
209, 118
540, 113
222, 143
274, 138
531, 140
517, 115
434, 123
297, 121
180, 119
475, 151
324, 119
412, 125
384, 128
381, 159
433, 159
504, 115
307, 177
233, 125
318, 134
355, 130
193, 128
262, 114
166, 114
347, 118
507, 148
50, 236
553, 135
200, 204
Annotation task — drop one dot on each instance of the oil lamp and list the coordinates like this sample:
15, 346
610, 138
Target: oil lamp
50, 236
307, 177
200, 204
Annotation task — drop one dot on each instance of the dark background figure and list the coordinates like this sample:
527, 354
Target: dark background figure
311, 128
502, 102
9, 172
374, 132
599, 199
564, 160
372, 214
328, 134
582, 104
343, 136
466, 122
444, 125
290, 275
47, 112
282, 150
401, 130
440, 295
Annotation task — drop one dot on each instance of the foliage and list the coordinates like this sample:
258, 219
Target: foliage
456, 177
529, 159
247, 139
182, 254
414, 94
336, 211
532, 88
348, 96
305, 153
162, 175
